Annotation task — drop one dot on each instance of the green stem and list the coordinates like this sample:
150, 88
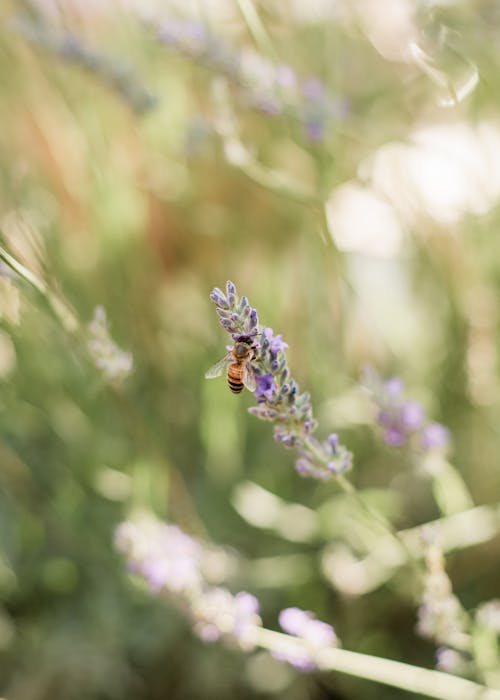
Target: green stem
256, 27
387, 527
57, 306
22, 271
432, 684
240, 157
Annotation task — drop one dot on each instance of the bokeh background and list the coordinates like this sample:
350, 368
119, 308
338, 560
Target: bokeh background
340, 162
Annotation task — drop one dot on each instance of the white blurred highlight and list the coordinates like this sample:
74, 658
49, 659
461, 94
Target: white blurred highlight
263, 509
267, 675
454, 91
356, 574
388, 24
443, 172
361, 221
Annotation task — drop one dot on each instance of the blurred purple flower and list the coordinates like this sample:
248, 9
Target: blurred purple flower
440, 615
111, 71
411, 415
113, 363
315, 131
293, 620
294, 655
219, 614
170, 561
258, 83
450, 661
302, 623
313, 89
285, 76
393, 386
434, 436
394, 437
333, 441
314, 633
162, 554
403, 421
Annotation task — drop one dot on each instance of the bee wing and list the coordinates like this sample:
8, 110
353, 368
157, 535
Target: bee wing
219, 367
249, 377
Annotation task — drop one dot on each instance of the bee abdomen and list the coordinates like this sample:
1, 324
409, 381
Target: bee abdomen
235, 388
234, 378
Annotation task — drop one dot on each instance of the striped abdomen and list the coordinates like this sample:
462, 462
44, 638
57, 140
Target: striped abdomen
235, 377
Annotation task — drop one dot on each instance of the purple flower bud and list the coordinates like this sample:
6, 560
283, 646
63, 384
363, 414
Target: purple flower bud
274, 365
208, 632
276, 343
222, 313
319, 634
286, 438
394, 437
393, 387
450, 661
253, 318
247, 603
285, 76
293, 620
303, 624
298, 658
263, 412
231, 293
341, 464
217, 296
303, 466
266, 387
315, 131
218, 292
313, 90
384, 418
333, 441
434, 436
411, 415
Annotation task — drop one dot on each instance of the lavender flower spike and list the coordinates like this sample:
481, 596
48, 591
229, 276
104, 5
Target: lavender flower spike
277, 393
114, 363
176, 565
315, 634
403, 421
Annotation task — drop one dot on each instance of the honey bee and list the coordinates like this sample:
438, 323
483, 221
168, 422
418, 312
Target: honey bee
238, 363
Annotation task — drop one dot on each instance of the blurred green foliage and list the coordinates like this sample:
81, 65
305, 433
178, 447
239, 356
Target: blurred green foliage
144, 215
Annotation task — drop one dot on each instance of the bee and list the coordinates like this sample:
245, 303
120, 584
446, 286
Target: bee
238, 363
